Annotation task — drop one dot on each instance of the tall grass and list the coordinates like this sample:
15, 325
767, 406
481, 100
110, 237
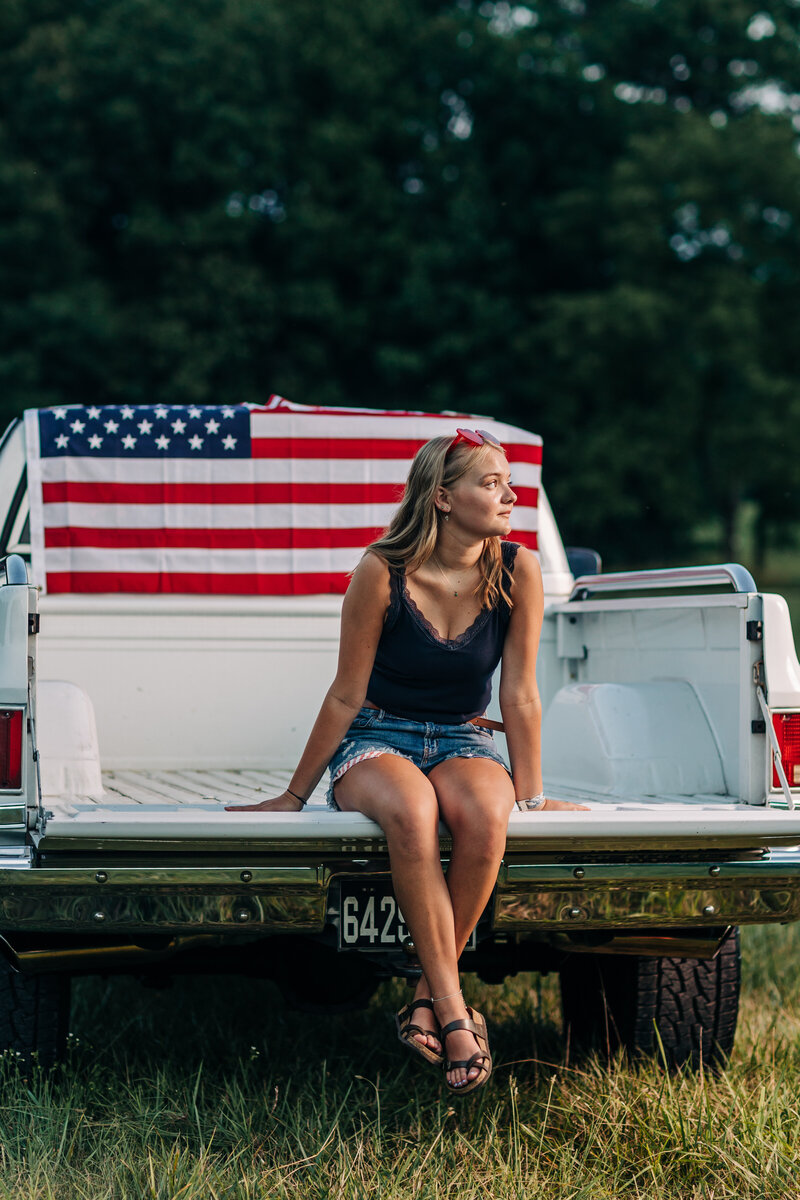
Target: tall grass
213, 1089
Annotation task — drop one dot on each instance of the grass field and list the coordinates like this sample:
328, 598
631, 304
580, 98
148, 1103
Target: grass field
212, 1089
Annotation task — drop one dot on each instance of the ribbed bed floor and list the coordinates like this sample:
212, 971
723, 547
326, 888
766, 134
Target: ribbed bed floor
212, 790
126, 791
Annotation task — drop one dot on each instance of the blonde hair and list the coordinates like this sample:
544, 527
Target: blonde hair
411, 537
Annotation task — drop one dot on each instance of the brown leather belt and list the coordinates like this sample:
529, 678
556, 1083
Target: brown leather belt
483, 721
487, 724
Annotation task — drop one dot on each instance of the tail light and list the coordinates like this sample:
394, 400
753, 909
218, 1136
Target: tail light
11, 749
787, 731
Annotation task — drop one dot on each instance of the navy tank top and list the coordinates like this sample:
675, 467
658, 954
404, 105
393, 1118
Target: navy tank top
424, 677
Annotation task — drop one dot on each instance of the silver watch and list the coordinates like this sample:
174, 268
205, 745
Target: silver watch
531, 803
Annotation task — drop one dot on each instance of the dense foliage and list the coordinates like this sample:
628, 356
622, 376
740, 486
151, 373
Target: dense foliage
579, 215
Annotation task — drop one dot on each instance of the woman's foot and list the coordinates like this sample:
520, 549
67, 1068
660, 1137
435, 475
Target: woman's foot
460, 1044
425, 1018
418, 1029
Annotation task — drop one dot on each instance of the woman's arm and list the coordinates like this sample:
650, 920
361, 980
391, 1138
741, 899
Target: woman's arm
363, 613
519, 693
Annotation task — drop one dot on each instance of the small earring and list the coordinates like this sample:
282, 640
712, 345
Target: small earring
447, 516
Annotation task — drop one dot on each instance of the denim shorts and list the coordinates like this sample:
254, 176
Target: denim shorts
375, 732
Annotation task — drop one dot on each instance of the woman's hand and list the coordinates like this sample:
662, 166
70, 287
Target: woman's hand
551, 805
283, 803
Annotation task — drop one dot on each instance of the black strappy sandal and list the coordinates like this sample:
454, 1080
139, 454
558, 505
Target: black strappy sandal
406, 1031
481, 1059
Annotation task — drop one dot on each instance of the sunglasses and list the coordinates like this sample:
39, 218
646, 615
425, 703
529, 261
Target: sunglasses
474, 437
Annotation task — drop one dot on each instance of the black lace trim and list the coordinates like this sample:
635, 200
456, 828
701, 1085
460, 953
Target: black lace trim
400, 592
509, 552
453, 643
395, 600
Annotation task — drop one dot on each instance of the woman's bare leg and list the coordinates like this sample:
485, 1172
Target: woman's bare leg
395, 793
475, 797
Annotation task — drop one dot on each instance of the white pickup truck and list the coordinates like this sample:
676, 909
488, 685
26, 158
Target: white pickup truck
671, 707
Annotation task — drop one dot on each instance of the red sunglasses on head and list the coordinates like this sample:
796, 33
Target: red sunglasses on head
474, 437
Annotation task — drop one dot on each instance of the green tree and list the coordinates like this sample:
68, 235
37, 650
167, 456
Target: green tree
581, 216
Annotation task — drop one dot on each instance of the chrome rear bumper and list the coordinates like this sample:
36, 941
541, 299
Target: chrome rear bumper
301, 897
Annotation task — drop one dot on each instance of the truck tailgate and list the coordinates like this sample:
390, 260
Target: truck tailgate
188, 806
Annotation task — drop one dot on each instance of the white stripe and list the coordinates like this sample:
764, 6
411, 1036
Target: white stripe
237, 516
216, 562
361, 426
242, 470
239, 470
218, 516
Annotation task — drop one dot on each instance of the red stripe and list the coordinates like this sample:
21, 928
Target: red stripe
64, 491
224, 539
221, 493
92, 582
364, 448
284, 406
210, 539
525, 537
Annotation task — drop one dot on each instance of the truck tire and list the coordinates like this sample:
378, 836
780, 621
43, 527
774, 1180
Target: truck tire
682, 1010
34, 1014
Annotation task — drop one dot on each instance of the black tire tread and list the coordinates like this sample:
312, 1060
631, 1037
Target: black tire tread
683, 1009
34, 1014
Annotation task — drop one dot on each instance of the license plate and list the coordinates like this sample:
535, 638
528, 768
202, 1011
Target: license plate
370, 918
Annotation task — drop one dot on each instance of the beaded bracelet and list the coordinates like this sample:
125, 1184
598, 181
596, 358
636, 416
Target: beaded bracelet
532, 803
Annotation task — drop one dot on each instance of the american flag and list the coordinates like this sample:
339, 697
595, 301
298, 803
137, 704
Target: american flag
229, 499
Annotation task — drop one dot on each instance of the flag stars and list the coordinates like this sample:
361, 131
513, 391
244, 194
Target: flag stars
156, 430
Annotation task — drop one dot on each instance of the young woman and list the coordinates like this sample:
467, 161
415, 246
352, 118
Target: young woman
431, 609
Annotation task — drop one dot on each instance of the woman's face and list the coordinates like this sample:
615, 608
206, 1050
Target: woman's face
480, 502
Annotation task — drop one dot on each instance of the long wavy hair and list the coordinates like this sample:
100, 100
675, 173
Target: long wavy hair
411, 537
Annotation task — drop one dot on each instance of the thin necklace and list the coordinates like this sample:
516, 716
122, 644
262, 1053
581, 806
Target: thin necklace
444, 577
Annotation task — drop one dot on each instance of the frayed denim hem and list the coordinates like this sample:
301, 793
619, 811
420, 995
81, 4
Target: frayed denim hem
361, 756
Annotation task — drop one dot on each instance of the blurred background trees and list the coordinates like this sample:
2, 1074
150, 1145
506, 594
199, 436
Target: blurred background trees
580, 216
